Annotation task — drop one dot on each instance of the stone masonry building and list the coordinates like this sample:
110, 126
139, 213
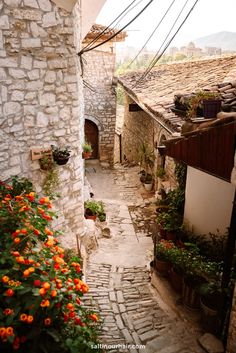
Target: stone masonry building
41, 97
99, 92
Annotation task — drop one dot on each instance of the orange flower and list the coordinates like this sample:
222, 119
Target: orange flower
9, 331
46, 285
5, 279
26, 273
24, 208
70, 306
36, 231
23, 231
42, 291
9, 292
17, 240
20, 260
47, 217
45, 303
30, 196
31, 269
19, 198
93, 317
30, 319
47, 321
8, 311
59, 285
23, 317
53, 293
15, 253
85, 288
48, 231
2, 331
44, 200
58, 259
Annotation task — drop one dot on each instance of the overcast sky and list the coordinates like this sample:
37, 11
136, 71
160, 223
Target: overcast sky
209, 16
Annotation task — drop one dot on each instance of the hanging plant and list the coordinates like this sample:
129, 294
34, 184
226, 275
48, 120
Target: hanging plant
60, 155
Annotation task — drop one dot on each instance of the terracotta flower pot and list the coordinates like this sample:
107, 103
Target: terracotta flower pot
176, 280
86, 155
162, 267
191, 298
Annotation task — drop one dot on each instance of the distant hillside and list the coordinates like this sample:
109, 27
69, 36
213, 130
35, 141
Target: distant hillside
223, 40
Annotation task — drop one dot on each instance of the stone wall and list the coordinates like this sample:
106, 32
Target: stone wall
139, 127
41, 99
100, 100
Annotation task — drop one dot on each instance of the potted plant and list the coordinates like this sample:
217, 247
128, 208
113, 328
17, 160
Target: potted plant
211, 297
207, 102
162, 256
93, 209
146, 159
87, 150
46, 162
60, 155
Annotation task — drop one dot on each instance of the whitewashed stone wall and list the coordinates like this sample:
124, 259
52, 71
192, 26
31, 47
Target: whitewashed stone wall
139, 128
41, 99
100, 102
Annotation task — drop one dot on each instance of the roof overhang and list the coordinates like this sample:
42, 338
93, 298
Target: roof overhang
211, 150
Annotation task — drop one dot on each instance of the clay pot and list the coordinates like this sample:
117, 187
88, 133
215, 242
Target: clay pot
86, 155
176, 280
162, 267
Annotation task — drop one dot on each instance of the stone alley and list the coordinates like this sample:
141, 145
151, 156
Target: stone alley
135, 317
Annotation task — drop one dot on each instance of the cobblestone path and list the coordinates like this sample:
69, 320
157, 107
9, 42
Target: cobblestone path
119, 279
131, 313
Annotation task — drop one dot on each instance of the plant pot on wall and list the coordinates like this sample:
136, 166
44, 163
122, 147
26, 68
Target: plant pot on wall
61, 161
211, 108
86, 155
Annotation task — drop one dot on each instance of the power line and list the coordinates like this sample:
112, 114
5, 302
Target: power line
151, 34
100, 34
157, 57
115, 34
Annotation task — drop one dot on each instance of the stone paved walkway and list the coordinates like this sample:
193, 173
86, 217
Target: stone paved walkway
119, 278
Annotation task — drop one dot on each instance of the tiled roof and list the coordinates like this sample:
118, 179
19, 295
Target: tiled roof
97, 29
156, 93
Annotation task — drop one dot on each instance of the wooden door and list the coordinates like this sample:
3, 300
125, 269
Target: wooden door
91, 135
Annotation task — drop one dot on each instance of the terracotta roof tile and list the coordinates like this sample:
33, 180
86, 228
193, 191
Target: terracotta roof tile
156, 92
97, 29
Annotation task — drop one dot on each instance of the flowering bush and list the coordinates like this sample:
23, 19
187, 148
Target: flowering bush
40, 292
163, 250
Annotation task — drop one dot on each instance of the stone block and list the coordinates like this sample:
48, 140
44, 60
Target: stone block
12, 3
31, 43
17, 96
57, 64
211, 344
26, 62
8, 62
45, 5
148, 335
34, 85
49, 20
40, 64
14, 161
47, 99
41, 120
4, 22
31, 15
10, 108
33, 75
31, 3
50, 76
3, 75
60, 132
17, 73
29, 109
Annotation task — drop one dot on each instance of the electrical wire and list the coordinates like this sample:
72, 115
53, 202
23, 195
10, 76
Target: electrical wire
149, 38
157, 58
115, 34
104, 30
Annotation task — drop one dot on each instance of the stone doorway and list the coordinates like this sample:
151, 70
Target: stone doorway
91, 135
